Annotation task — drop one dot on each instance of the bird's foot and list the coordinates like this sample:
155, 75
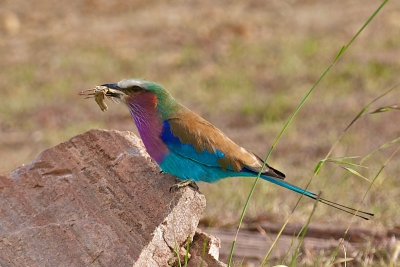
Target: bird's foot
183, 183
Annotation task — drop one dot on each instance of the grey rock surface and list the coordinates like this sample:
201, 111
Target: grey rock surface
95, 200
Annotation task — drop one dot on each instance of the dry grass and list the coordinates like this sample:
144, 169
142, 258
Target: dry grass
244, 66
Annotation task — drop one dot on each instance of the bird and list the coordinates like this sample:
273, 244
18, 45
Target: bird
189, 147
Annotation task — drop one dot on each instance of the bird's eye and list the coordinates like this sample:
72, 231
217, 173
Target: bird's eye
136, 89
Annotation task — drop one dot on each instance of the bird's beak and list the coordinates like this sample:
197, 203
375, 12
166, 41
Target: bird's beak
112, 86
116, 91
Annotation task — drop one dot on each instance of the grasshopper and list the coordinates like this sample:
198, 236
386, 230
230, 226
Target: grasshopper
99, 93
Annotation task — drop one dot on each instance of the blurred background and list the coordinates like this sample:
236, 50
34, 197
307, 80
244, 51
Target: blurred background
242, 65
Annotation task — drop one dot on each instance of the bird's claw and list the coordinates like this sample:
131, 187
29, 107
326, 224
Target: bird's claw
184, 183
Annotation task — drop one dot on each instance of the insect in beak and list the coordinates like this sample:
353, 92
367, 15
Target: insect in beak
100, 92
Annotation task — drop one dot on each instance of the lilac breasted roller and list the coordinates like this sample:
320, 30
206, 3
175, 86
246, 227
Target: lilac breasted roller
189, 147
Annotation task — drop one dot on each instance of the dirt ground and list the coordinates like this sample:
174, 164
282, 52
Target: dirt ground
244, 66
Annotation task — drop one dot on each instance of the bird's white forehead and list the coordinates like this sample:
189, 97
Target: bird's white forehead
126, 83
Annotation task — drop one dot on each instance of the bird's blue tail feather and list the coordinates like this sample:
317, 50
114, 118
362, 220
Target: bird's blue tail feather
289, 186
312, 195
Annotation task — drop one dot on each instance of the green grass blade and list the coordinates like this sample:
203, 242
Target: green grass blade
187, 250
303, 233
344, 48
386, 109
352, 171
341, 161
384, 146
362, 200
367, 106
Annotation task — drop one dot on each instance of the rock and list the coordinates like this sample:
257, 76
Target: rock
204, 251
96, 200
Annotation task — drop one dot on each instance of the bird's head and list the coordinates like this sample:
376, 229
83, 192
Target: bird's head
141, 93
131, 88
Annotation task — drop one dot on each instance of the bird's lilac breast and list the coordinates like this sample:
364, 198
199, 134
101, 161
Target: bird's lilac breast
149, 124
154, 145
